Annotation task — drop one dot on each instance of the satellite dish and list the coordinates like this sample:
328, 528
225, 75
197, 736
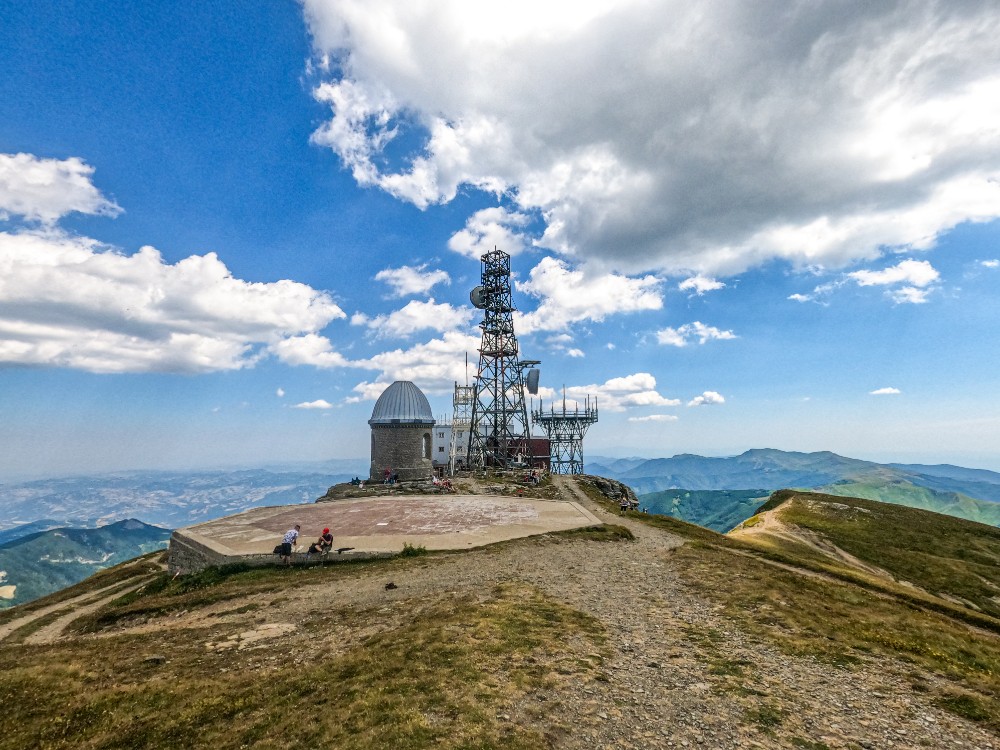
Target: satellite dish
532, 381
478, 297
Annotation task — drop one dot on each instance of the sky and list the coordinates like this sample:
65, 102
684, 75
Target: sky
225, 227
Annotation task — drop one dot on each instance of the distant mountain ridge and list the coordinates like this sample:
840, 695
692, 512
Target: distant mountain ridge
46, 561
164, 498
973, 494
776, 469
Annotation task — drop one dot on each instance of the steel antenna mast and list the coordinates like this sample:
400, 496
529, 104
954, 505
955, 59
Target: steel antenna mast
500, 433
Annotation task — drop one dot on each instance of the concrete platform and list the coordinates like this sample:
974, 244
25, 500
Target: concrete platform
376, 526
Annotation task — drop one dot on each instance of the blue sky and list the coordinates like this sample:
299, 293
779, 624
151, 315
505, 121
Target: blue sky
738, 228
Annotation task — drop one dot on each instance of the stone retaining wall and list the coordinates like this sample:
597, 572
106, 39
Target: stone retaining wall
185, 555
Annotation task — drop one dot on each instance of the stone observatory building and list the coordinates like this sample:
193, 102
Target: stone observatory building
402, 426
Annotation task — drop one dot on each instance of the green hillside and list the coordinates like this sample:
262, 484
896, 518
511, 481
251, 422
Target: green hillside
948, 557
44, 562
719, 510
901, 492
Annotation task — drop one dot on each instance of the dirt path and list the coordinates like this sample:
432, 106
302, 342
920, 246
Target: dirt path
53, 630
75, 607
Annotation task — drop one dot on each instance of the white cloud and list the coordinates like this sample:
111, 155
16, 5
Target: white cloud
45, 190
654, 418
407, 280
885, 392
418, 316
632, 133
617, 394
917, 273
67, 301
435, 366
990, 263
310, 349
569, 296
366, 392
700, 284
574, 352
280, 393
909, 294
689, 331
488, 229
707, 398
318, 404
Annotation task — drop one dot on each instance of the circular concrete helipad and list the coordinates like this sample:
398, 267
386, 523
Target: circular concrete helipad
436, 522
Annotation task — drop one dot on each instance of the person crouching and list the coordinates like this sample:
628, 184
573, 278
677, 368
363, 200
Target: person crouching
291, 536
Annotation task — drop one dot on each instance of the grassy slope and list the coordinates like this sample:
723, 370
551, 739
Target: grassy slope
811, 605
419, 683
924, 498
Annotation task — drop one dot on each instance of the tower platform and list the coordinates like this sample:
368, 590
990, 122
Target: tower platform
372, 527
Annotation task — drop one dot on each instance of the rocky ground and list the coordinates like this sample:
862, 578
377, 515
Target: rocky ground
679, 675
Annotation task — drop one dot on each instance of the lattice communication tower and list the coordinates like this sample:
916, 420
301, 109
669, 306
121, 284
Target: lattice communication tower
500, 428
461, 424
565, 430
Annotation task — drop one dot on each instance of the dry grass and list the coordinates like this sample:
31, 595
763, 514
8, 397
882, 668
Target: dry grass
444, 677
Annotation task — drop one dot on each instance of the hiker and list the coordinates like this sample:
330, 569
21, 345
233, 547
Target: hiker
387, 474
291, 537
322, 545
624, 504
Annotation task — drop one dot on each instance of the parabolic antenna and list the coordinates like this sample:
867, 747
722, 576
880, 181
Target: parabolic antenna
532, 381
478, 297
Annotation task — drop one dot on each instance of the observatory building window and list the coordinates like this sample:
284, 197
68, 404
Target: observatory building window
440, 434
427, 445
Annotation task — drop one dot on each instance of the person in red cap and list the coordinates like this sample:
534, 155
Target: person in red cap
323, 544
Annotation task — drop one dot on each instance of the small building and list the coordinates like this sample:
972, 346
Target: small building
402, 428
445, 433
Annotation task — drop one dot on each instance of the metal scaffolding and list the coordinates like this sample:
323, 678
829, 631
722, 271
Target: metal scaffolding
565, 430
461, 424
500, 429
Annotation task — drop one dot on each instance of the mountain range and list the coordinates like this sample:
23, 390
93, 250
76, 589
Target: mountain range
163, 498
46, 561
973, 494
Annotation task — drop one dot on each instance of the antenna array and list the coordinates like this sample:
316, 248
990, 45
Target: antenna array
500, 431
565, 430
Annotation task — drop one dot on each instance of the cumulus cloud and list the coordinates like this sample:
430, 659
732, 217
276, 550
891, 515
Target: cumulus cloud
67, 301
990, 263
889, 391
309, 349
45, 190
568, 296
417, 316
707, 398
914, 276
318, 404
813, 135
616, 394
280, 393
700, 284
407, 280
488, 229
436, 364
654, 418
688, 332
